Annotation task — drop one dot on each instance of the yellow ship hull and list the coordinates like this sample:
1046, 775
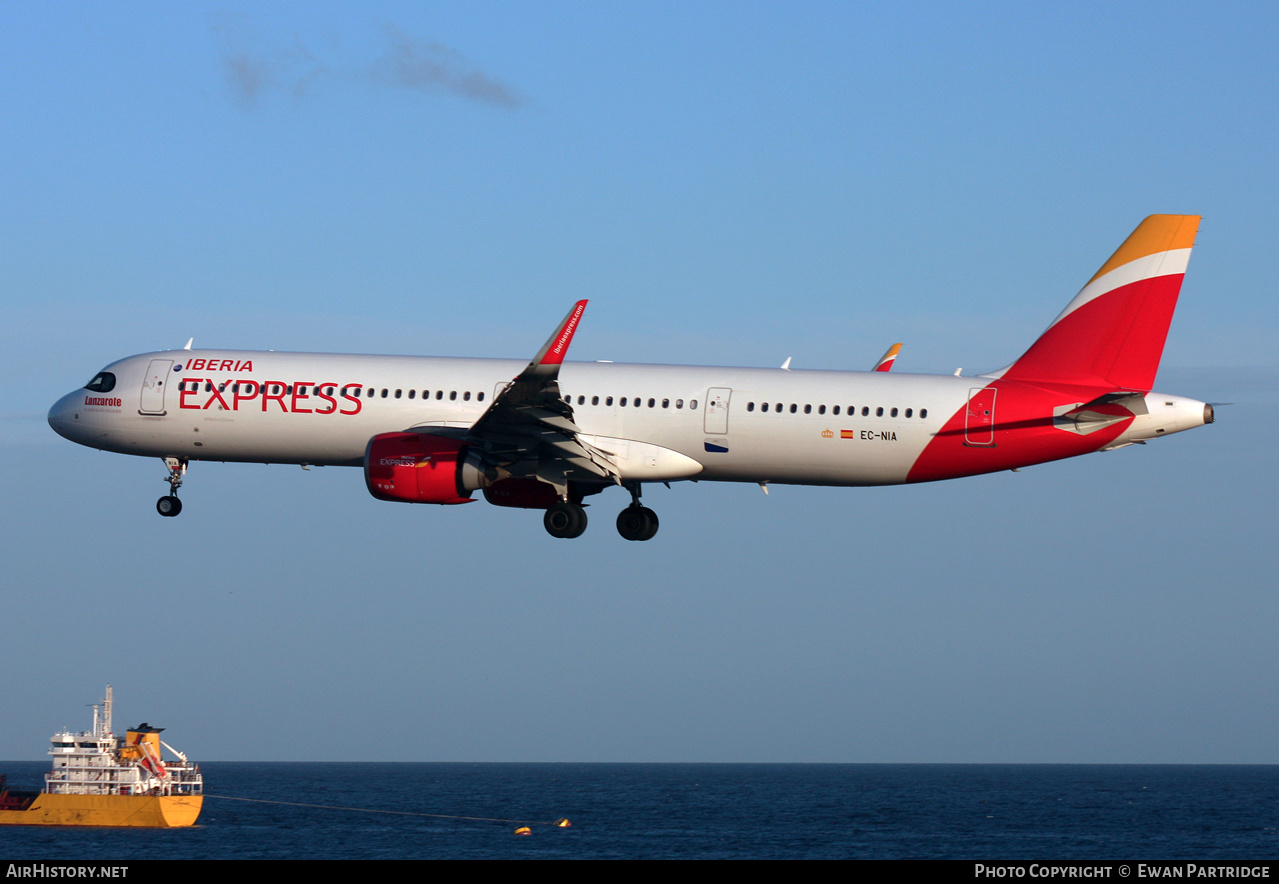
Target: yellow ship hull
145, 811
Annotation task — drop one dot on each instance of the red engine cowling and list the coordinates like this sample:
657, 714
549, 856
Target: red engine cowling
529, 494
418, 468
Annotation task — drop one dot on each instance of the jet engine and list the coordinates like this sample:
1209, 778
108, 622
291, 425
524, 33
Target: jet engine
420, 468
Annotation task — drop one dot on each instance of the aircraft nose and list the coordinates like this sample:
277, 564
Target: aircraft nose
62, 416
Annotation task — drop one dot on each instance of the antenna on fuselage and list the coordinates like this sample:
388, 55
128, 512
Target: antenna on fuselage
786, 364
190, 341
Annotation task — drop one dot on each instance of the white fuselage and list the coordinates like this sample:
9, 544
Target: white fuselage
663, 422
820, 427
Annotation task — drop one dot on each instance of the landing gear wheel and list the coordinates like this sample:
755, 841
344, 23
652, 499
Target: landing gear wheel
565, 520
637, 523
169, 505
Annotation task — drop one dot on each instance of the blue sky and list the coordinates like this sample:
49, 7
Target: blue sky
728, 184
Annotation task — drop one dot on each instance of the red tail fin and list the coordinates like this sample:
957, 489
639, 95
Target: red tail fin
1112, 334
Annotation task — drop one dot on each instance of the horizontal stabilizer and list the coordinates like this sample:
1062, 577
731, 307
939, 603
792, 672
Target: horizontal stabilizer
1104, 411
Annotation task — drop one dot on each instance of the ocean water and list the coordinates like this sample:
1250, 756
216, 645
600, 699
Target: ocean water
682, 811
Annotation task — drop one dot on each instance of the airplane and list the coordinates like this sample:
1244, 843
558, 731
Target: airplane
549, 434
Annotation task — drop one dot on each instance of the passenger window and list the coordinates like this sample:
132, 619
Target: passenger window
821, 409
879, 412
622, 402
893, 413
763, 406
865, 410
835, 410
412, 393
679, 403
453, 395
750, 406
608, 401
595, 400
908, 411
397, 393
923, 413
666, 403
479, 397
651, 403
793, 408
693, 404
808, 409
466, 397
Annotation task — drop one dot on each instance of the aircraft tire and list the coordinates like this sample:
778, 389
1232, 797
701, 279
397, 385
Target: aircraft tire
637, 523
650, 518
566, 520
168, 506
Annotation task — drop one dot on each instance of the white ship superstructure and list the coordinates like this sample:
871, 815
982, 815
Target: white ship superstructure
98, 762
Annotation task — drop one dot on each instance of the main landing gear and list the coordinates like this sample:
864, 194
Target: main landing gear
567, 519
636, 522
169, 505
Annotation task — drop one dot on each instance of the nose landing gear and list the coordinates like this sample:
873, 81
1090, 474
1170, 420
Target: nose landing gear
169, 505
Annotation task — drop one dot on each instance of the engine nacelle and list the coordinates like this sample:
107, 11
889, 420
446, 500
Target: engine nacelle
529, 494
419, 468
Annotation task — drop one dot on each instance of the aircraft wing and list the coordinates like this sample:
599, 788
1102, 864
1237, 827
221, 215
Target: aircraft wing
885, 362
529, 430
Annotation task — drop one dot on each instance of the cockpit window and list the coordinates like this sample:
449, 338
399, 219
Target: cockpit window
103, 383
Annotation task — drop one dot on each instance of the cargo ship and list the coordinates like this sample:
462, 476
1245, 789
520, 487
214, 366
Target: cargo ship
99, 779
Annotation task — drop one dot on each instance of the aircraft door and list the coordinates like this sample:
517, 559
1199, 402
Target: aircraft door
979, 418
153, 386
717, 410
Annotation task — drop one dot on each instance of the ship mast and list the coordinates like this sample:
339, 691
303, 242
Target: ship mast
106, 714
